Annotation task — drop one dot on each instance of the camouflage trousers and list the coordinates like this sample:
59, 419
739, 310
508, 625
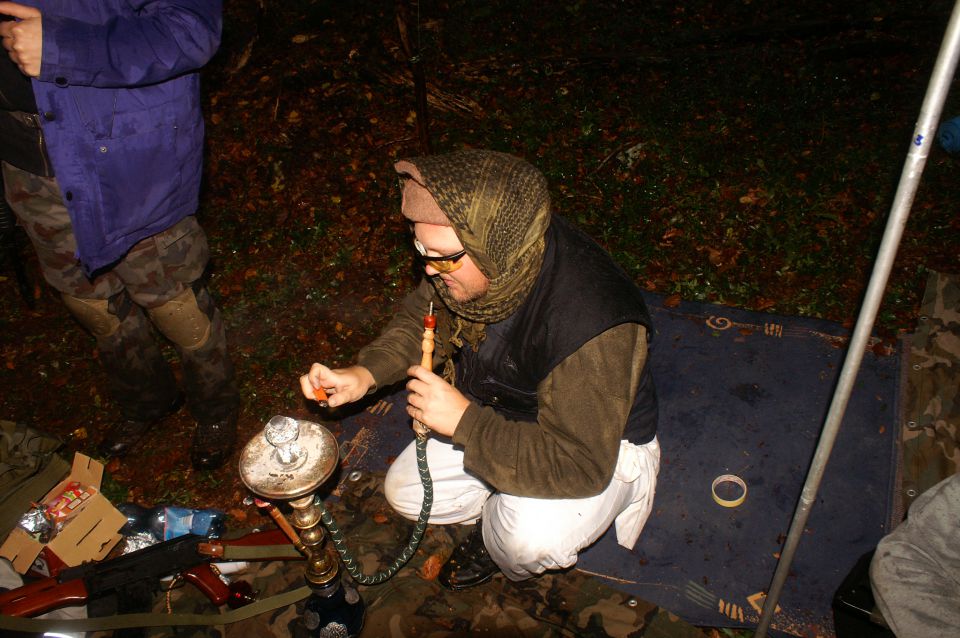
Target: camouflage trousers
154, 271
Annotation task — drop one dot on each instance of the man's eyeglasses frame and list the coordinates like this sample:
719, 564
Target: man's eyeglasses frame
440, 263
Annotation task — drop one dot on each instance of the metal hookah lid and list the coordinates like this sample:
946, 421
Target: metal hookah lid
290, 458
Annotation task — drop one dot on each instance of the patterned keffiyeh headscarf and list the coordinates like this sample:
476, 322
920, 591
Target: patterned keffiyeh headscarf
499, 207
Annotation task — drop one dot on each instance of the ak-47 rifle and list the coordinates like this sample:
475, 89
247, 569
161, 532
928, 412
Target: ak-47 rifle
189, 556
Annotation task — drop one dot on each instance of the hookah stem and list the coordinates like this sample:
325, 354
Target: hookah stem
284, 525
336, 535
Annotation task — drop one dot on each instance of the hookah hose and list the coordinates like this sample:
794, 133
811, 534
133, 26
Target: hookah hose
349, 562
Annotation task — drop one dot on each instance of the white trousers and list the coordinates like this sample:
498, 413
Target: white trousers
526, 536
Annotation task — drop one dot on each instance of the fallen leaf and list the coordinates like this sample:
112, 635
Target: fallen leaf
672, 301
763, 303
881, 349
431, 567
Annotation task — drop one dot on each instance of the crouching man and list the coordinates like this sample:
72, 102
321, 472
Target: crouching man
544, 412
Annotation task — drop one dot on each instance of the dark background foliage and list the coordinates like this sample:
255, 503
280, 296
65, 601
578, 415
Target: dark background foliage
742, 153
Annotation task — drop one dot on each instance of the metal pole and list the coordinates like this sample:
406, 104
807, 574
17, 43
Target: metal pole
923, 138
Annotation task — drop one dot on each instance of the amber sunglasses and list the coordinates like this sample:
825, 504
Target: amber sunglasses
440, 263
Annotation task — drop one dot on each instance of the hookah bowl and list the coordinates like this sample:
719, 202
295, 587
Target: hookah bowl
288, 461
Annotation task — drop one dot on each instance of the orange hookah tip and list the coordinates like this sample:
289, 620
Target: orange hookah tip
320, 396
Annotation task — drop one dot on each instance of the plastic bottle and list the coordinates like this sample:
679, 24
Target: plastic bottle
138, 518
170, 522
165, 522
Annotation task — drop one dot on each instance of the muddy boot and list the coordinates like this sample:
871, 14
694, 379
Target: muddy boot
124, 435
470, 564
139, 378
213, 398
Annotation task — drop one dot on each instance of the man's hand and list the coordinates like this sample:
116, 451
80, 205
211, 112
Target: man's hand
23, 39
434, 402
342, 386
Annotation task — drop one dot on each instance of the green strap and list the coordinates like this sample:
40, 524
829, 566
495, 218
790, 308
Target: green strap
259, 552
155, 620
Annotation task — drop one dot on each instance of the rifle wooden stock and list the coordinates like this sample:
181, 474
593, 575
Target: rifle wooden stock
42, 596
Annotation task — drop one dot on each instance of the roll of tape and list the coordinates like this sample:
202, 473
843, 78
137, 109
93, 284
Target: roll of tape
729, 478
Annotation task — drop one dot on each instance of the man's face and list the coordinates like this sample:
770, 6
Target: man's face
464, 284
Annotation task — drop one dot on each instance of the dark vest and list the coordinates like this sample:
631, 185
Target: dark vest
22, 139
16, 91
579, 294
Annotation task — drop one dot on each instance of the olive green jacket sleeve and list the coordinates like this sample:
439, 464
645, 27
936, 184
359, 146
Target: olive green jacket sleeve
571, 450
398, 346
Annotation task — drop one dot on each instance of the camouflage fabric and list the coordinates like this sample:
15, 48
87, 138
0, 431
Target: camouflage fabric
931, 431
412, 603
29, 468
153, 272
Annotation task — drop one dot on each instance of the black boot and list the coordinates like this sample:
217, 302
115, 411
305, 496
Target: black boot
213, 443
470, 564
124, 435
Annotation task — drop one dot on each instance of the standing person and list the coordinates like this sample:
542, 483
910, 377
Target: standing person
545, 411
102, 159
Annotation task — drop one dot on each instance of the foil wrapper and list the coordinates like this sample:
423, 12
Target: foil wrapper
38, 523
137, 541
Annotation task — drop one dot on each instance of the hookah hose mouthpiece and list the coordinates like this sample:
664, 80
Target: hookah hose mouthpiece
336, 535
426, 360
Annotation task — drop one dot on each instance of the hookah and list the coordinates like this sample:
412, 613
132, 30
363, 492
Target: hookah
289, 461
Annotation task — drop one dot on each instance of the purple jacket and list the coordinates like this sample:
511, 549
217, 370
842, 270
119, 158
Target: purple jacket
118, 96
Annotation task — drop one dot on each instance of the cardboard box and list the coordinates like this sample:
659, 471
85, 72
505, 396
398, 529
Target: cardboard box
89, 532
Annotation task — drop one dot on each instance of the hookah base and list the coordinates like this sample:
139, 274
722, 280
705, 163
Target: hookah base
333, 611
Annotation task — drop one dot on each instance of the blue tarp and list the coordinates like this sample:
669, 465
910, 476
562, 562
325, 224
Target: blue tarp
741, 393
